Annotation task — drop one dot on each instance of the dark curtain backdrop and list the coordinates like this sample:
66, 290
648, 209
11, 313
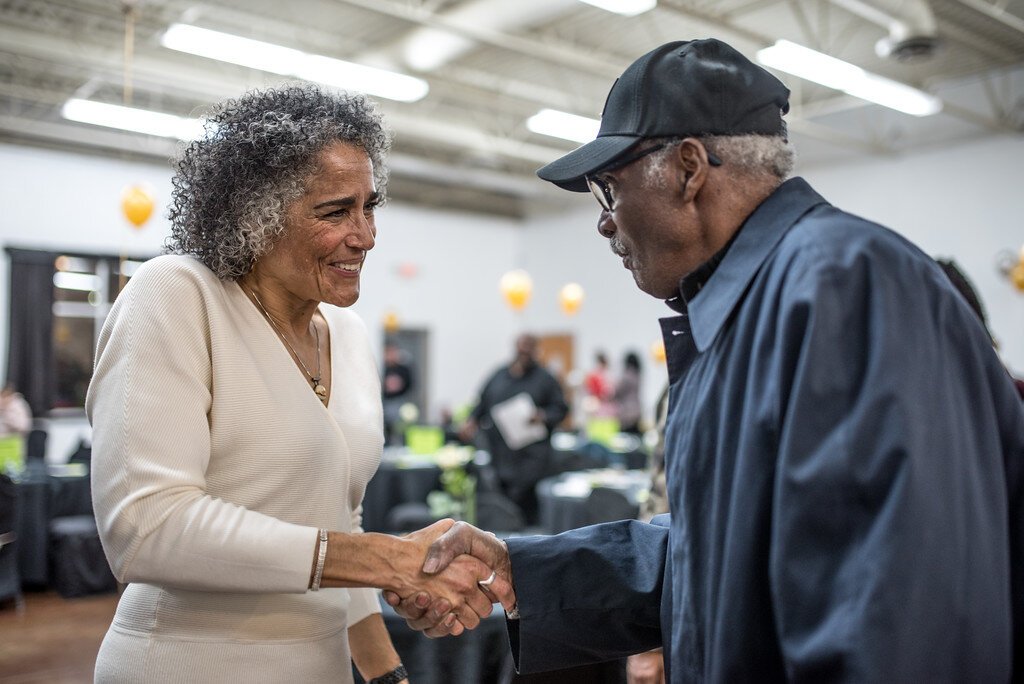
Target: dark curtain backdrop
30, 363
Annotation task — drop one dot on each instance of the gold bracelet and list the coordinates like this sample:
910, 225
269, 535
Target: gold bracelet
320, 558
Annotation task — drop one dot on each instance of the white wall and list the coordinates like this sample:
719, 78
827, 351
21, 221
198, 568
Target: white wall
615, 316
458, 258
963, 202
71, 201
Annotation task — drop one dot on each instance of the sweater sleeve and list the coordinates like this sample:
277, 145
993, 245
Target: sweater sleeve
363, 602
149, 405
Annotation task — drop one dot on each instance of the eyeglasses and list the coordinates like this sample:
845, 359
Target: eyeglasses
603, 192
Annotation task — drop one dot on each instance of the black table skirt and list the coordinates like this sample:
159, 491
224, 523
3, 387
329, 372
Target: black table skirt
41, 499
392, 486
480, 656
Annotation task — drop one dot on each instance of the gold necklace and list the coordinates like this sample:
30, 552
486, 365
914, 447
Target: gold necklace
318, 388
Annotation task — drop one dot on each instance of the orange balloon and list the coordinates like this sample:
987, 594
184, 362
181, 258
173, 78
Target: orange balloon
516, 286
137, 204
658, 351
570, 297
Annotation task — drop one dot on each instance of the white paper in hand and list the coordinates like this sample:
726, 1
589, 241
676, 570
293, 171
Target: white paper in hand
512, 418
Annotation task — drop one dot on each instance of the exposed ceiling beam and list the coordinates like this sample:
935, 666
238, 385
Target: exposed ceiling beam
201, 84
584, 60
995, 12
162, 149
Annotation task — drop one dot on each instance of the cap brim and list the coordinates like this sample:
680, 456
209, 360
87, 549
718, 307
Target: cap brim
569, 172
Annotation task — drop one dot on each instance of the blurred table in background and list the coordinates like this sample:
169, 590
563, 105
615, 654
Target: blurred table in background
44, 493
403, 477
479, 656
566, 501
571, 452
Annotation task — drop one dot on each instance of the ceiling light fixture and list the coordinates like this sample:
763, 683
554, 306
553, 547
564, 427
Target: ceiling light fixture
564, 125
628, 8
86, 282
131, 119
276, 59
835, 73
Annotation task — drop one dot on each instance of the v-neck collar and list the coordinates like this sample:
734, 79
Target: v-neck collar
281, 343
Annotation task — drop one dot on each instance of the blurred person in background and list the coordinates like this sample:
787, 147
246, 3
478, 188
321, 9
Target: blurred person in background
15, 413
963, 285
598, 388
627, 395
396, 388
520, 469
236, 412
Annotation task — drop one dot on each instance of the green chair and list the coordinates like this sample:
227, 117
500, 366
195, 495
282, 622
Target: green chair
424, 439
12, 453
602, 430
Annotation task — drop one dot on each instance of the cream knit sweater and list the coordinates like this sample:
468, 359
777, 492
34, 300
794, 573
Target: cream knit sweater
213, 466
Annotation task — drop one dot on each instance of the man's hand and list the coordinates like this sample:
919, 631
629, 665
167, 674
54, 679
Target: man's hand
435, 619
468, 431
458, 583
646, 668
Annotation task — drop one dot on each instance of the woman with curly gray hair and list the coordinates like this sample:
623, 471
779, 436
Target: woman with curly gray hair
237, 416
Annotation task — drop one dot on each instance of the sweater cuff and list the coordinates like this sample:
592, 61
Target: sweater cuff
363, 602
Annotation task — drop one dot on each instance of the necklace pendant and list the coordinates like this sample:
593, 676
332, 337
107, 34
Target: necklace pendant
321, 392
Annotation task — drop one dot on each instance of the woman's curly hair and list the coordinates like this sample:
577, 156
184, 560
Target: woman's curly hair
233, 185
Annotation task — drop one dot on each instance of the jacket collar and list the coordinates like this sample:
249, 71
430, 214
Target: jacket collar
711, 305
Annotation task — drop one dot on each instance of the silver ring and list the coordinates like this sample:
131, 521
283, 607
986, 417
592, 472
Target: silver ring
487, 582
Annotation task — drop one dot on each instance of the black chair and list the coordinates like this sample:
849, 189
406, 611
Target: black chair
497, 513
409, 517
35, 445
10, 581
607, 505
83, 454
78, 566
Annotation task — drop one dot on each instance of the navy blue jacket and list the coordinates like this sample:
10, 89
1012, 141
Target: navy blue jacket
845, 465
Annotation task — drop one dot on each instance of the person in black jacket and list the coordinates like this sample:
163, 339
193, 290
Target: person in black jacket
522, 467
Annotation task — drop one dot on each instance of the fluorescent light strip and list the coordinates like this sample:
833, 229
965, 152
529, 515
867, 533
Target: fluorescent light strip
564, 125
131, 119
276, 59
628, 8
66, 280
835, 73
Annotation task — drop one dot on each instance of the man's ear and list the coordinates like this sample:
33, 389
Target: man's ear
691, 162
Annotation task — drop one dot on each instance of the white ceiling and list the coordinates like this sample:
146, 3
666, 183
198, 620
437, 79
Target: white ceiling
466, 143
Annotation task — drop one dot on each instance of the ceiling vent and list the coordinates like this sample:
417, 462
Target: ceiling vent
911, 25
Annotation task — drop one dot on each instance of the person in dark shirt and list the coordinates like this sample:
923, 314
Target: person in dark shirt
963, 285
396, 389
519, 469
844, 450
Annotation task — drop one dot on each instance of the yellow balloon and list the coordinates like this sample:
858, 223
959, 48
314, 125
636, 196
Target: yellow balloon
137, 204
391, 323
658, 351
516, 286
570, 297
1017, 276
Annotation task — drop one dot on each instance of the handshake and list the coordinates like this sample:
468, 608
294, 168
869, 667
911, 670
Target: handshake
464, 572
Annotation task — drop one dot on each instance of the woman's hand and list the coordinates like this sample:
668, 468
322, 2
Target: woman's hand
459, 542
457, 584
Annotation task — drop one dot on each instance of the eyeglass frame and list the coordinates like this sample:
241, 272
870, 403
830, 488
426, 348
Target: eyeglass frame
603, 193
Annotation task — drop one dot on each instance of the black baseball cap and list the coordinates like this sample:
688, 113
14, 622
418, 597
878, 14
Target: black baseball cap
681, 89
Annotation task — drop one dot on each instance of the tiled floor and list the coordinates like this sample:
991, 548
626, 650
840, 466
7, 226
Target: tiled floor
52, 640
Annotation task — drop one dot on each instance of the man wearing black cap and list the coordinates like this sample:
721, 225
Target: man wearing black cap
844, 451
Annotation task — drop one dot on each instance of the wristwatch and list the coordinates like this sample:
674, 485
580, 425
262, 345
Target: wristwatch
393, 677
